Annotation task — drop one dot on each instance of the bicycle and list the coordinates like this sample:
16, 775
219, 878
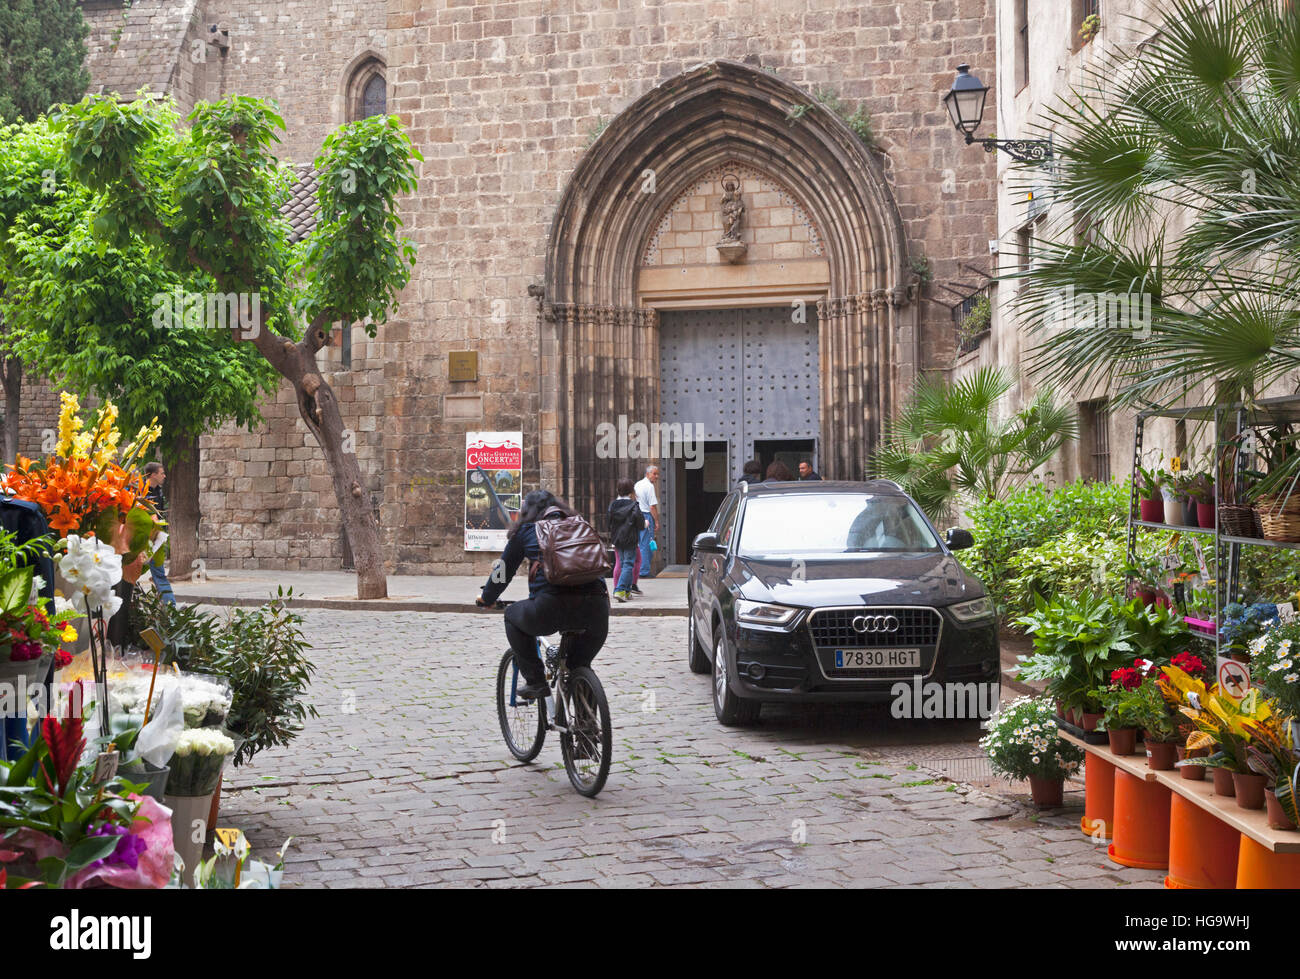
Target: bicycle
586, 744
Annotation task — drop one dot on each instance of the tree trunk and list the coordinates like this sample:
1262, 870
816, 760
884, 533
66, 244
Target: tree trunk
319, 409
11, 375
183, 515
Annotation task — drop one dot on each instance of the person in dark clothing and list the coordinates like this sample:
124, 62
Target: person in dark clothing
753, 472
155, 475
548, 608
625, 526
807, 473
779, 472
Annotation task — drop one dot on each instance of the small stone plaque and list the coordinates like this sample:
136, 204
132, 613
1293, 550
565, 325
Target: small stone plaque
462, 365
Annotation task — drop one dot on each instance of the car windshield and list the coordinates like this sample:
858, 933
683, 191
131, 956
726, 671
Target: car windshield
839, 523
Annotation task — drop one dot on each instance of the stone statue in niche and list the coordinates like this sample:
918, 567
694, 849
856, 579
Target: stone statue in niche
731, 247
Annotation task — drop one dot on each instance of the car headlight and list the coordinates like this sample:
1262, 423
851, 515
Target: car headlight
980, 608
757, 613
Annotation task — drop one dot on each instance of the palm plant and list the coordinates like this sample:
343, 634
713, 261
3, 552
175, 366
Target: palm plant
947, 442
1184, 155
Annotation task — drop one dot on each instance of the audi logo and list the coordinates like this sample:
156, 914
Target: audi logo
875, 623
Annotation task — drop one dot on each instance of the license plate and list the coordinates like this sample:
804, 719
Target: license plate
877, 659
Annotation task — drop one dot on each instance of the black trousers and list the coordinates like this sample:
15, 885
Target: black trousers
549, 613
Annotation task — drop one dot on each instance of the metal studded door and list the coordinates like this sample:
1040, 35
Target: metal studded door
740, 374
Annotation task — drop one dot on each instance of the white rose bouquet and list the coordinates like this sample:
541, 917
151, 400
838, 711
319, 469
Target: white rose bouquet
196, 765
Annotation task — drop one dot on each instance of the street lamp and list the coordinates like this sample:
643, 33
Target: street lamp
965, 105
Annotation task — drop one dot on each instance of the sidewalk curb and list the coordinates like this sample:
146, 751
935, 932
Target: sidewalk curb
384, 605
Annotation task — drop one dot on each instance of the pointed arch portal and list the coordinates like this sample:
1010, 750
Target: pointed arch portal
600, 346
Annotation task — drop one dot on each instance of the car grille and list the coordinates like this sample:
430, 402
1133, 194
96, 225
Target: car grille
834, 628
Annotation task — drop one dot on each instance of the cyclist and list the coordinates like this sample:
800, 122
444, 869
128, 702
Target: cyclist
548, 608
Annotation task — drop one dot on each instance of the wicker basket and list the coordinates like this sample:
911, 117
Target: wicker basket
1280, 517
1238, 520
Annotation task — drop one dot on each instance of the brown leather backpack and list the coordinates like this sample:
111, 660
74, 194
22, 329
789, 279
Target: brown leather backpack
571, 551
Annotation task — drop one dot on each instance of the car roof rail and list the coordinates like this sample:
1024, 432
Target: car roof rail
889, 482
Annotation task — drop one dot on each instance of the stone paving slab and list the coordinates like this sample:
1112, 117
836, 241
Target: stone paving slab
404, 781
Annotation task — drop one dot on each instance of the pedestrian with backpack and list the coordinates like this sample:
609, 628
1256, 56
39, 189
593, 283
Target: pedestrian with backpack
625, 525
566, 586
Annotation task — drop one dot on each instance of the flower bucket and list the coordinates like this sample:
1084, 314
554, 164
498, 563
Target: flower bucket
1202, 847
1152, 511
1141, 823
189, 821
1250, 790
1048, 793
1098, 818
153, 778
28, 672
1174, 513
1205, 515
1277, 819
1260, 867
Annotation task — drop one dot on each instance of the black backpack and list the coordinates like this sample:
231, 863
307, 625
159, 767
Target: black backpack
625, 523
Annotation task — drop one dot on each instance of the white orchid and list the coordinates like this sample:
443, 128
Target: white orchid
92, 568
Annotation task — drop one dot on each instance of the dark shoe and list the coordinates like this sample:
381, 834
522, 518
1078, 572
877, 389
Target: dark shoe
635, 590
532, 691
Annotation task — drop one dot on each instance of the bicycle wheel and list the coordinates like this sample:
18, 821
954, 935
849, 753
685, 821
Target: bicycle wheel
523, 722
588, 744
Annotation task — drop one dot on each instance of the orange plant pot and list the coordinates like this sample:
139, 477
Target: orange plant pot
1259, 867
1098, 820
1141, 823
1202, 848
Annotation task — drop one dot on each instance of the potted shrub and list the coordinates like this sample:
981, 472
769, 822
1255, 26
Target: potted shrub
1160, 730
1122, 717
1239, 624
1201, 490
1024, 743
1078, 641
1271, 755
1151, 506
1172, 489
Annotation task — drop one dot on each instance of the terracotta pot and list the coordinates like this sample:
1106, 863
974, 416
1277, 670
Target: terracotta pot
1193, 773
1069, 716
1205, 515
1276, 817
1223, 784
1090, 721
1152, 511
1123, 740
1161, 755
1250, 790
1048, 793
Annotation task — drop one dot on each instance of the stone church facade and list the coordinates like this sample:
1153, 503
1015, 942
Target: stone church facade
571, 231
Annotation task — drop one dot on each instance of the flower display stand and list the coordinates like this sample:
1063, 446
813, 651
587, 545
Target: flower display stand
1209, 842
1202, 848
1141, 822
1098, 821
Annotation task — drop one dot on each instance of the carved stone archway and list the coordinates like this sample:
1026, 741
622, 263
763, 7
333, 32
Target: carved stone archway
600, 348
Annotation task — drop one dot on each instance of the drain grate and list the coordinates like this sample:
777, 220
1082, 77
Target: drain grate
969, 769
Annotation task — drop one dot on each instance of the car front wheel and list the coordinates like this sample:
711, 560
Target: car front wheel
731, 710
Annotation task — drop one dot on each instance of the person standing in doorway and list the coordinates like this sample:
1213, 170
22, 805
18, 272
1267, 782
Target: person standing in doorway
648, 500
779, 472
753, 473
806, 472
154, 476
625, 526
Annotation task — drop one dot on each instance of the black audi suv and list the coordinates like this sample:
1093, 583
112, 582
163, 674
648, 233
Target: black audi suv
832, 591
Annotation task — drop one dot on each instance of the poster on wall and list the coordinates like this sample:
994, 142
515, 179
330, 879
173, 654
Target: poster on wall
494, 464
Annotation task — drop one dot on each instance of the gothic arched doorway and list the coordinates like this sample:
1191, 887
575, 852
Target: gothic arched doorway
601, 308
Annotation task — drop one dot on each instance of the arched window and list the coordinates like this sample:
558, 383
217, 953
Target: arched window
366, 90
374, 97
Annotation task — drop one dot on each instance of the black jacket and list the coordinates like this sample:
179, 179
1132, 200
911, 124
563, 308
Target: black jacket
524, 545
625, 522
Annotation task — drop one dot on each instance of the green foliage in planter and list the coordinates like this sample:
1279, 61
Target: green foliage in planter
1024, 742
1268, 574
1032, 517
977, 320
1074, 562
1078, 641
262, 651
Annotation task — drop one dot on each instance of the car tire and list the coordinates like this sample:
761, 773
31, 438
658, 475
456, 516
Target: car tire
696, 658
731, 711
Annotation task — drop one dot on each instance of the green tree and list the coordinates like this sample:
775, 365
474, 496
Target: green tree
208, 200
83, 315
42, 64
947, 445
1185, 160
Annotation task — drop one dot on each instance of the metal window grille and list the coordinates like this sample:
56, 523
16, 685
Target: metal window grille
1098, 418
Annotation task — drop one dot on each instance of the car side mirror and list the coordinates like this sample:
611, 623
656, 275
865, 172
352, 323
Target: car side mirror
707, 542
959, 539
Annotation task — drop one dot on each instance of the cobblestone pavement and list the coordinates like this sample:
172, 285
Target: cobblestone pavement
404, 781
